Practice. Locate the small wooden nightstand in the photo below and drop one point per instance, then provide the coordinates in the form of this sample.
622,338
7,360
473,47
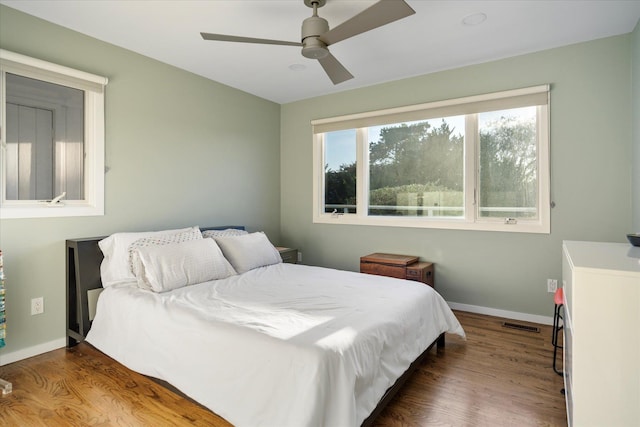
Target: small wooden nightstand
399,266
288,255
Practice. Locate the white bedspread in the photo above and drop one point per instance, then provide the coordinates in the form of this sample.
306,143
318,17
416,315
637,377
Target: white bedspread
284,345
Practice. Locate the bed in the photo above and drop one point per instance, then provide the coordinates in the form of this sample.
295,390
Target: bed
272,345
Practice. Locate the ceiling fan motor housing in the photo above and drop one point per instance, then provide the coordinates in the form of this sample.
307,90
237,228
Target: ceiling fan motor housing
312,28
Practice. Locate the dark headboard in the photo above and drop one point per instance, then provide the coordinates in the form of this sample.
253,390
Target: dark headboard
223,227
83,259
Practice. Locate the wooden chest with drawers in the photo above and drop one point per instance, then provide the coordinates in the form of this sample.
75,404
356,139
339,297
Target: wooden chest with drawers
399,266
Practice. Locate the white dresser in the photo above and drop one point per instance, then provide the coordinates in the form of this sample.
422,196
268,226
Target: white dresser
601,333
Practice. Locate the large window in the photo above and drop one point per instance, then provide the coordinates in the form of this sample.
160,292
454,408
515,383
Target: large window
52,153
480,162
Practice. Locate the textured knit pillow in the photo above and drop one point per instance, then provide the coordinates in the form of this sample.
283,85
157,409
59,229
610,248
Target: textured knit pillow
167,267
159,240
223,233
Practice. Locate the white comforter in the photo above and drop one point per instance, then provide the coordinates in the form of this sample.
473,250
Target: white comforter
283,345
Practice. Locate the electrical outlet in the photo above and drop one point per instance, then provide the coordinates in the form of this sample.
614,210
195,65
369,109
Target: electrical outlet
552,285
299,256
37,306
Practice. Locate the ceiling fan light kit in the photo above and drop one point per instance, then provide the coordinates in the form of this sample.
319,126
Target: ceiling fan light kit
316,36
314,49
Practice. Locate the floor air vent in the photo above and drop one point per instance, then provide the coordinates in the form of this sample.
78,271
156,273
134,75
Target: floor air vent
520,327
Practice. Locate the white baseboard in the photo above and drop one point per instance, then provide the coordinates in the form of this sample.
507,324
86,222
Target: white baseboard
25,353
514,315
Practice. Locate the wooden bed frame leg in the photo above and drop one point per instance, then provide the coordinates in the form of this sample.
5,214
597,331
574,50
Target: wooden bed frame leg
440,342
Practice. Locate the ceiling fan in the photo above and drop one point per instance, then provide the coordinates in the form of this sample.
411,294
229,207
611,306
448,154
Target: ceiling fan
317,37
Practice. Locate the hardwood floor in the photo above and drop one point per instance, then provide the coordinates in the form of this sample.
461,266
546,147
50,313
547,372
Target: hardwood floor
497,377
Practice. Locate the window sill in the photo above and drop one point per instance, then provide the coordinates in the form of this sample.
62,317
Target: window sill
45,211
522,226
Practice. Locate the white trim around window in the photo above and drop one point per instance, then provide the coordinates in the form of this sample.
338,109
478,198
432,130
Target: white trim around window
470,107
94,140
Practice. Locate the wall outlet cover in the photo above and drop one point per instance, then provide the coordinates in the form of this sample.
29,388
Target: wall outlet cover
37,306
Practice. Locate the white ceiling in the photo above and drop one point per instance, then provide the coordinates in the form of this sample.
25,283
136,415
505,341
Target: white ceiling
433,39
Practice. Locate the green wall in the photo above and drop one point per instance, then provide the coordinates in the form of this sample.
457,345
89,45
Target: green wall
590,183
181,150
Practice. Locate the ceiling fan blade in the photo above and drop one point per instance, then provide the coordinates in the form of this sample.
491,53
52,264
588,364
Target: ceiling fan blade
226,38
334,69
381,13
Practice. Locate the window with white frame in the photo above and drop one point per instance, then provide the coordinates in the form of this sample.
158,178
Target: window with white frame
479,163
52,153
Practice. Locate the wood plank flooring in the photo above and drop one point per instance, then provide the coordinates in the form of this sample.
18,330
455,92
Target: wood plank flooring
497,377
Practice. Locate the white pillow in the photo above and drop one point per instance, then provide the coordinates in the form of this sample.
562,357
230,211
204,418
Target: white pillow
223,233
115,248
249,251
160,240
167,267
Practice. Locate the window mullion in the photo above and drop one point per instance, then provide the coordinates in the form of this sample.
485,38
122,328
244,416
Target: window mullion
471,151
544,166
318,176
362,173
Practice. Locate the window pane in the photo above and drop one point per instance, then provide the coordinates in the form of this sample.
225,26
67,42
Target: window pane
45,140
340,171
508,163
416,168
